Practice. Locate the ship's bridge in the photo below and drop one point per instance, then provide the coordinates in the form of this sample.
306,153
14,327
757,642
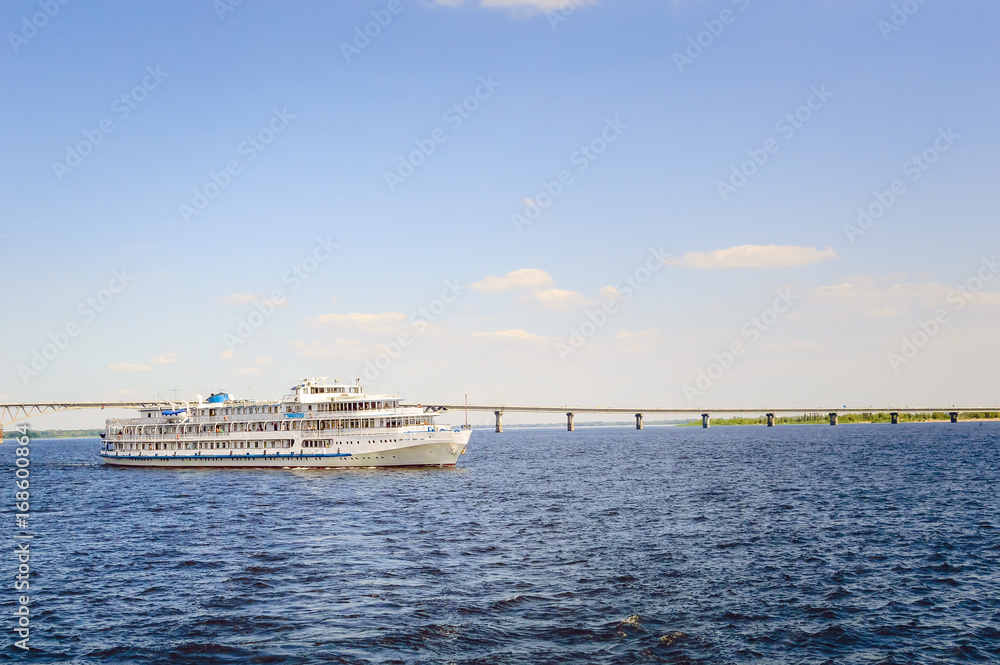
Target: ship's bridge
319,389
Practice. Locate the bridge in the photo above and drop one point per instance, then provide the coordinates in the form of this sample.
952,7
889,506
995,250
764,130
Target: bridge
706,415
11,413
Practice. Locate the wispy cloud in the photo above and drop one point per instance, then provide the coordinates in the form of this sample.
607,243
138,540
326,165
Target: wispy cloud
755,256
238,299
554,298
165,360
896,296
249,299
516,279
513,335
381,323
638,342
333,348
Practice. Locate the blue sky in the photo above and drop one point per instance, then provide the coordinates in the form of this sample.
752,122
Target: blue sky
598,93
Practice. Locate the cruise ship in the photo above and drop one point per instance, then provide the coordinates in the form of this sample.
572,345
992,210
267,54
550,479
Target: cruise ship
320,424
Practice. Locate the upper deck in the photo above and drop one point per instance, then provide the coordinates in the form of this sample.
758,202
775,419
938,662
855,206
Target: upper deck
310,397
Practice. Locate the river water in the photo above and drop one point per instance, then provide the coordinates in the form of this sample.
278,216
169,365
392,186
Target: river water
794,544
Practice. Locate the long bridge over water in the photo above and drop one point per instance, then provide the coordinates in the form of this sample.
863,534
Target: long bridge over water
11,413
706,415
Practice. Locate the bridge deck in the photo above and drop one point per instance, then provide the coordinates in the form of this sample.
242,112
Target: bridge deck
11,413
682,410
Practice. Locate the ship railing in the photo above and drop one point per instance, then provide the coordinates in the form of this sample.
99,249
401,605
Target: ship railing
269,434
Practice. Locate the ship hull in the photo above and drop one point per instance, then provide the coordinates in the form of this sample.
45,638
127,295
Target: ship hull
435,453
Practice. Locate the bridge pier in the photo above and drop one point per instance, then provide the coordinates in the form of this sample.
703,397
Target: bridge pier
770,420
954,416
706,420
499,415
638,421
569,421
895,417
833,418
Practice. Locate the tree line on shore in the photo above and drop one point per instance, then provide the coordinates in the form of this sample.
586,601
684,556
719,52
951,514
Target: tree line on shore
53,433
821,418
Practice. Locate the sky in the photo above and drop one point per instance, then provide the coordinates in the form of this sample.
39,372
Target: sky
690,204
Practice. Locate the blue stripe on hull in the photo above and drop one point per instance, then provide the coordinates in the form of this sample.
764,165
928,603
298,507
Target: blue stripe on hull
225,457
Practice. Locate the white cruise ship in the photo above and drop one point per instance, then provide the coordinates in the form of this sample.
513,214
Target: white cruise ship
320,425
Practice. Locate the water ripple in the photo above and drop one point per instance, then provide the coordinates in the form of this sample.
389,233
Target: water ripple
854,544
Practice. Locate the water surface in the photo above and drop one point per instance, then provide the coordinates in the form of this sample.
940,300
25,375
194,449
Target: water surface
796,544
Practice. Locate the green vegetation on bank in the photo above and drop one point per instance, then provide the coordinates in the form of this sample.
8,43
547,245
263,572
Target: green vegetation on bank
824,419
54,433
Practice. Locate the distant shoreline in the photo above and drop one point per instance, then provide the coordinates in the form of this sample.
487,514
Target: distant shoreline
853,419
55,434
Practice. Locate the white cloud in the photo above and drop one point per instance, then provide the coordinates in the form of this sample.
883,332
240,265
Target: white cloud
165,360
755,256
523,278
333,348
129,367
553,298
227,354
610,293
262,361
382,323
515,334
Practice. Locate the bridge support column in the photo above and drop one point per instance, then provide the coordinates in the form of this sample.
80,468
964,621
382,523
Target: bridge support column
895,417
954,416
569,421
770,420
499,415
638,421
706,420
833,418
